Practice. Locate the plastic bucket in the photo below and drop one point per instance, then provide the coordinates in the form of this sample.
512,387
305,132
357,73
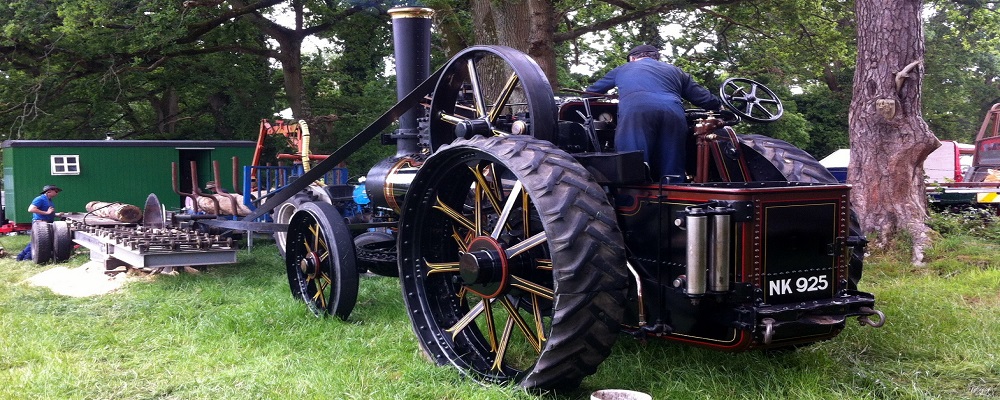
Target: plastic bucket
619,394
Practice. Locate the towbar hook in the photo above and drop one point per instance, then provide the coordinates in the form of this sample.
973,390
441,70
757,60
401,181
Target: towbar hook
768,330
865,320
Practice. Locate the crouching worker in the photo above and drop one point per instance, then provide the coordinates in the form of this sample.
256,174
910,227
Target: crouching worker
42,209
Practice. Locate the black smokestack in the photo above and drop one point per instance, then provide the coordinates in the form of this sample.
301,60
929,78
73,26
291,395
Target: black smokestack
411,31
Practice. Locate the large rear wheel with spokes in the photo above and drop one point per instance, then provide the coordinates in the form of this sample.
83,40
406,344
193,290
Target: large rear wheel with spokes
512,263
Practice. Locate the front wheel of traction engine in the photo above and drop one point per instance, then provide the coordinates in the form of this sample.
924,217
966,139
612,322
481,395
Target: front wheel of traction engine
512,264
282,214
320,260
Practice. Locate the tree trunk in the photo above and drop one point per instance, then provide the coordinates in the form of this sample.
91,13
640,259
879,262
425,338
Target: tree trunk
449,25
483,22
217,103
289,54
526,25
166,107
291,70
540,41
889,138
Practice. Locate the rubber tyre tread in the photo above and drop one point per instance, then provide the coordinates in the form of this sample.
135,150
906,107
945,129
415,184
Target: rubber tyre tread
794,164
586,246
41,242
296,201
798,166
378,267
62,241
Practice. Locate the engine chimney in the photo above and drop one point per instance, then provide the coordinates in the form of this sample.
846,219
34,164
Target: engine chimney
411,32
388,180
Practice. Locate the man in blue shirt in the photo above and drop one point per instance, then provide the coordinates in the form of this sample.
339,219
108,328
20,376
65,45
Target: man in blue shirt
650,113
41,209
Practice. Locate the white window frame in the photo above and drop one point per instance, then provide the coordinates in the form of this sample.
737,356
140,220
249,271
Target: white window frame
60,164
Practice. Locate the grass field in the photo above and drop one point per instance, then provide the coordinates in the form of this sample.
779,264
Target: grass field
234,332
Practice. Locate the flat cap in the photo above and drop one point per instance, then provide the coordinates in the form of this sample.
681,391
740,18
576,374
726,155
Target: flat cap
50,187
643,48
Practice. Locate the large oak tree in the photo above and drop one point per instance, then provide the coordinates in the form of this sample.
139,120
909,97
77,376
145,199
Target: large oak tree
889,138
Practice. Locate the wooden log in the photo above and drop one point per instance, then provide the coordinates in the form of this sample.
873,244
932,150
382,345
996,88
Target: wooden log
226,203
116,211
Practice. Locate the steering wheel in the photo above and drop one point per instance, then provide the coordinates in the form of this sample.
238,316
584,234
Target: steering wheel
751,100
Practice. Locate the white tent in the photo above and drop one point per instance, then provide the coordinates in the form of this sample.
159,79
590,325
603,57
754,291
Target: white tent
837,159
940,165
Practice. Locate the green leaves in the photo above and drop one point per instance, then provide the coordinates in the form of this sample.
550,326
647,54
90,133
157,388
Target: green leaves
86,68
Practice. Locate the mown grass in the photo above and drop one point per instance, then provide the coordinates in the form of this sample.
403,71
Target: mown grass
234,332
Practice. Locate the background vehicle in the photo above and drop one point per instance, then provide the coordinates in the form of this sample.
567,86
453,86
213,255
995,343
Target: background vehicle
980,185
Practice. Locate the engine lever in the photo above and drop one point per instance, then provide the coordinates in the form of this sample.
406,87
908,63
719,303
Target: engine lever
588,123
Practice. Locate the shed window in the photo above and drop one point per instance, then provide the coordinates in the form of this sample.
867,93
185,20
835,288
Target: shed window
65,165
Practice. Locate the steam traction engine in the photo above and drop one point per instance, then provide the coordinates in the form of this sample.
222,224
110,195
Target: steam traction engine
526,244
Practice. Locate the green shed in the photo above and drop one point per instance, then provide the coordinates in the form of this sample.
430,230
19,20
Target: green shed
124,171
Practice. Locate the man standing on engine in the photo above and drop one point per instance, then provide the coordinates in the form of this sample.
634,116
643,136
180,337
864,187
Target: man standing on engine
650,113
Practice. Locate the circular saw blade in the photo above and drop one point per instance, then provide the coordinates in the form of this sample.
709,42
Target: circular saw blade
152,217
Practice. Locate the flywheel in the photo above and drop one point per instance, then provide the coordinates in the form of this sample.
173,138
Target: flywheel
491,91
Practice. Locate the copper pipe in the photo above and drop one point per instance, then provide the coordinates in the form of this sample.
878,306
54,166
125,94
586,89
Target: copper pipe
703,132
701,176
220,191
638,286
196,189
174,181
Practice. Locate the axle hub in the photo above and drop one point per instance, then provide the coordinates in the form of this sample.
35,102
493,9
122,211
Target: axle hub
472,127
484,268
309,265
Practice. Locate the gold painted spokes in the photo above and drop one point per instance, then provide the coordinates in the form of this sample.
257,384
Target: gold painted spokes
317,251
488,100
502,265
506,254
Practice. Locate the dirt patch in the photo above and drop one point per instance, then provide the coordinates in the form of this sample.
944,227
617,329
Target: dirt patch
980,302
84,281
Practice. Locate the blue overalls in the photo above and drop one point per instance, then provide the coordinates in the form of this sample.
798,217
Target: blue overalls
650,112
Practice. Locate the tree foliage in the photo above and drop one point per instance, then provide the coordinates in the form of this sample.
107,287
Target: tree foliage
213,68
962,79
137,69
